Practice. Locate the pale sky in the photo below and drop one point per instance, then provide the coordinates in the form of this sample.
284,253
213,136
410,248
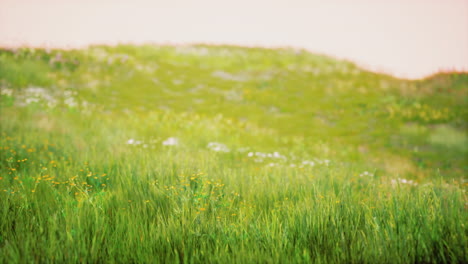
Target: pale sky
406,38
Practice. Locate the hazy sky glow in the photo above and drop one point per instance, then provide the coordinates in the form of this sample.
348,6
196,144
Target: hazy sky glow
407,38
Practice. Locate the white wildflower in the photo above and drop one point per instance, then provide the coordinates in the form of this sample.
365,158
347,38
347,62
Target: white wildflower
228,76
403,181
218,147
6,91
172,141
260,154
278,156
30,100
308,162
367,174
177,82
35,91
70,101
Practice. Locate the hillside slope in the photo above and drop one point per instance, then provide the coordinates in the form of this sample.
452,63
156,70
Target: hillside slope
398,125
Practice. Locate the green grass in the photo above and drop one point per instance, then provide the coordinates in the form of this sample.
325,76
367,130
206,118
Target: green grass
282,156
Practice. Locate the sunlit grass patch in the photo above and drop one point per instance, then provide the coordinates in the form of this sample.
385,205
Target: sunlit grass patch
449,137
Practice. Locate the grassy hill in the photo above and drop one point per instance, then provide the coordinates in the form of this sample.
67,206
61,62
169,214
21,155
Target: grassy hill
227,154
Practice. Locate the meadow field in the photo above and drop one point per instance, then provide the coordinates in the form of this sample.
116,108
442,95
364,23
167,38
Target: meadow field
224,154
